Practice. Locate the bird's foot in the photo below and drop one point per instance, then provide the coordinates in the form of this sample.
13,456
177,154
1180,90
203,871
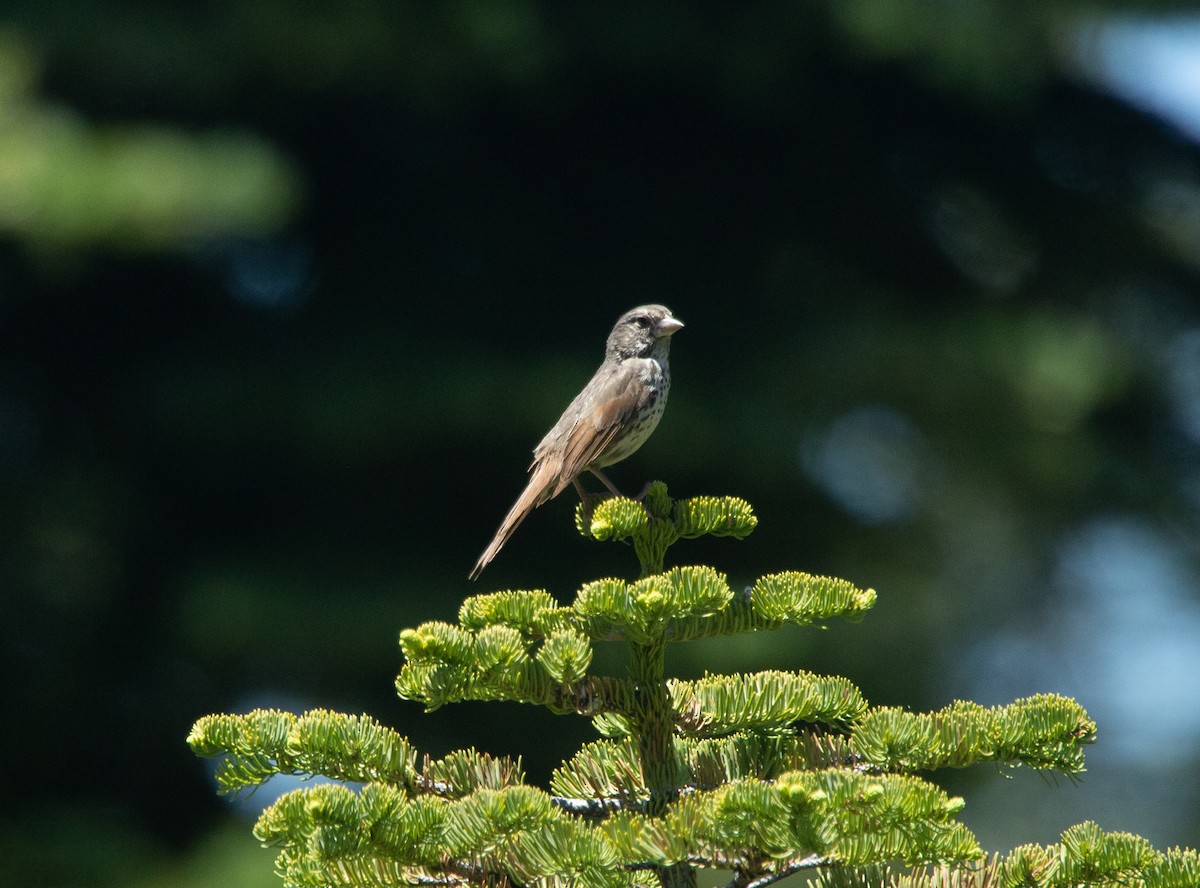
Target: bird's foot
589,500
645,490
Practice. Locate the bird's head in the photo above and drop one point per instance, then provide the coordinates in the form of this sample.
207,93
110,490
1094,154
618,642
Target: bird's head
642,332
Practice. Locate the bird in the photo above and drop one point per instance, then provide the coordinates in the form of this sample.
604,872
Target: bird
607,421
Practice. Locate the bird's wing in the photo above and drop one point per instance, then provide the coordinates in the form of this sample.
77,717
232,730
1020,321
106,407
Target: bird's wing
612,407
587,428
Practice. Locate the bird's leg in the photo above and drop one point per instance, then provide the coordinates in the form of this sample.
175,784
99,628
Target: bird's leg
612,487
604,478
589,500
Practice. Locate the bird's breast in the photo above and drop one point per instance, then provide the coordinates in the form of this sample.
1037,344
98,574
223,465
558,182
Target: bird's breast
655,377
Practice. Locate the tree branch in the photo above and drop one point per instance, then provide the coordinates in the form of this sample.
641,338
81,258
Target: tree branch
748,880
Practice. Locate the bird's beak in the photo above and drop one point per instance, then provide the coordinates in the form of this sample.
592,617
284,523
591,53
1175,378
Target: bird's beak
666,327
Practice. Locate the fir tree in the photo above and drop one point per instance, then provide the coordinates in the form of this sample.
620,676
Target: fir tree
762,776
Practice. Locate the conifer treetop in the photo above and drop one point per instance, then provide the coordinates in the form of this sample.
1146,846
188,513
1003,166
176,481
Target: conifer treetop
764,774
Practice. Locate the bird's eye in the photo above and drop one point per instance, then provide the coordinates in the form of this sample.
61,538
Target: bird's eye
642,321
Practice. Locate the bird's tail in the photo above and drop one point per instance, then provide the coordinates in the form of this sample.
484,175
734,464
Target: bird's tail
537,491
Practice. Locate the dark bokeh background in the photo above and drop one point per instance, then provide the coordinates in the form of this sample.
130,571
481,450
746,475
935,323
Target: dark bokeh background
289,290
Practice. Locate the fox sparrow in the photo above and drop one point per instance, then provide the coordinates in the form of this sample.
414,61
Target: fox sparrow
610,419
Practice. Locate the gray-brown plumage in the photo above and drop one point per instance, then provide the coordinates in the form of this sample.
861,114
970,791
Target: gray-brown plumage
610,419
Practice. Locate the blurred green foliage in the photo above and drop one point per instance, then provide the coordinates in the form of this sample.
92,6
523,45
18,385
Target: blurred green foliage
67,184
288,291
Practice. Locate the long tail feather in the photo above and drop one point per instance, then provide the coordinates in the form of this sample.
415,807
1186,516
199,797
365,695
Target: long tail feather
539,489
